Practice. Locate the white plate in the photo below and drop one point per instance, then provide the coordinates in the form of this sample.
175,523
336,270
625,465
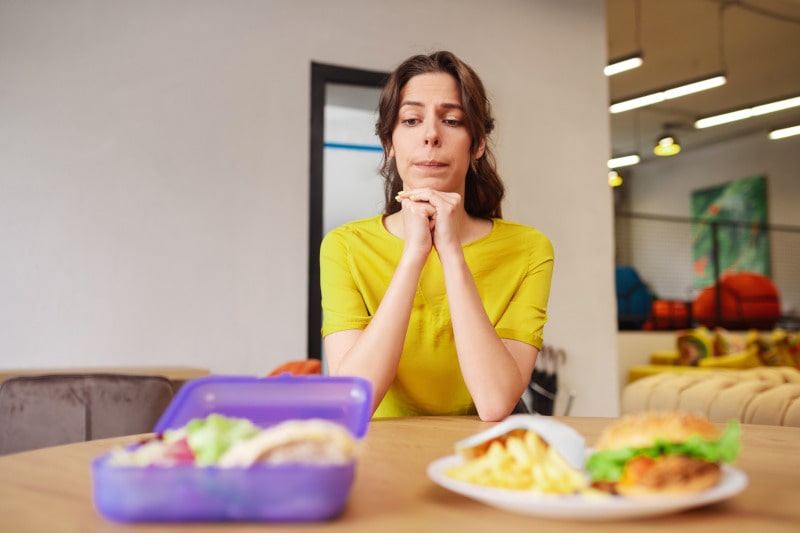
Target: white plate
581,507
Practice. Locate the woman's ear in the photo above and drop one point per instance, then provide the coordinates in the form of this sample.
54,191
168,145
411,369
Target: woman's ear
391,152
480,149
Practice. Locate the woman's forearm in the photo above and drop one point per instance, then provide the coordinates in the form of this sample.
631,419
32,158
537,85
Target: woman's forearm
492,373
374,353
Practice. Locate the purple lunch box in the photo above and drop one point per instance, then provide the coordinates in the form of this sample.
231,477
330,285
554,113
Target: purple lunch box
260,493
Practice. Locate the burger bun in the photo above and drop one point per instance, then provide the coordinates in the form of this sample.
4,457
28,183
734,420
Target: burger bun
644,429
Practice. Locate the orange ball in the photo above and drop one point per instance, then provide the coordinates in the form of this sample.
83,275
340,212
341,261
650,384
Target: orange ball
748,300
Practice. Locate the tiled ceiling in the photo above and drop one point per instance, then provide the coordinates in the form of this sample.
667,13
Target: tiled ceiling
755,42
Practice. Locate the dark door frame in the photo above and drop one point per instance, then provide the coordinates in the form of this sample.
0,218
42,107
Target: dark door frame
322,74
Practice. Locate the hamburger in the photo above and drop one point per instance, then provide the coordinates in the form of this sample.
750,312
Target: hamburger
656,453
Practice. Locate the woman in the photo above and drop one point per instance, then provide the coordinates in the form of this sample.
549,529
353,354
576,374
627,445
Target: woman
438,302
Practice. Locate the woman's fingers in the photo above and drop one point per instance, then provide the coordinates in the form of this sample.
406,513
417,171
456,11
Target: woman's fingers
418,225
437,199
442,222
441,201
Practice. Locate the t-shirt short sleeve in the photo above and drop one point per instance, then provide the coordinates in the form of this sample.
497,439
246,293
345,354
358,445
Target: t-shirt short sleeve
343,307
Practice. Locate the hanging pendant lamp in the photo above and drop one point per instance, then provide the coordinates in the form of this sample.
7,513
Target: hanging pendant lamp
667,144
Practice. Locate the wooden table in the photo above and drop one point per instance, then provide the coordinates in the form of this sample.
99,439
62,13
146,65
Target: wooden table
50,489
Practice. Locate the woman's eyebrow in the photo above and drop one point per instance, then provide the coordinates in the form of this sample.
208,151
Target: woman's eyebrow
411,103
445,105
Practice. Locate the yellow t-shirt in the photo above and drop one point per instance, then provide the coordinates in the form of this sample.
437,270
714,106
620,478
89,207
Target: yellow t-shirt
512,266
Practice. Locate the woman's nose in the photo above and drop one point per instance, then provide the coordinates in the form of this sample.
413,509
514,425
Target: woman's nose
432,137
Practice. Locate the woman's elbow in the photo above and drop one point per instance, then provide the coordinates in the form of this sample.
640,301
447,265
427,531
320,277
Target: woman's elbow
494,413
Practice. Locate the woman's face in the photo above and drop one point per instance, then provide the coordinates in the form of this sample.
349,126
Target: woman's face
431,141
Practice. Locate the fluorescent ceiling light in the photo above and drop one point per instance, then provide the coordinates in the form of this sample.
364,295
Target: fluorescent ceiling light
637,102
623,161
784,132
741,114
696,87
623,64
724,118
668,94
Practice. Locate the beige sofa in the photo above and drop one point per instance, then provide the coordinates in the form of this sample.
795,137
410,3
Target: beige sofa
763,395
635,348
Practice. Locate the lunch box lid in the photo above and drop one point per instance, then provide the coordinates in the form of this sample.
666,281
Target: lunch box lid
271,400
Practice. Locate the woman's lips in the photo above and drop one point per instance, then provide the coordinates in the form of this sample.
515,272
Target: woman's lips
430,164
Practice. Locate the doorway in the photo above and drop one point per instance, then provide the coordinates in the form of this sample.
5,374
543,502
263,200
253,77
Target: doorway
345,155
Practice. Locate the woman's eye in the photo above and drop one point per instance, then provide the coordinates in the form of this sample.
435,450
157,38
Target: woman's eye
410,121
452,122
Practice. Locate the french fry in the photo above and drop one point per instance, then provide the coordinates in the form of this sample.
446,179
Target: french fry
523,462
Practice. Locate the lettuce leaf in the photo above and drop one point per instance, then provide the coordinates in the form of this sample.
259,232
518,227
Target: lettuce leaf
211,437
607,465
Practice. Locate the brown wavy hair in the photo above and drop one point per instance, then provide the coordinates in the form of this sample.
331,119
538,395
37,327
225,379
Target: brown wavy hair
484,190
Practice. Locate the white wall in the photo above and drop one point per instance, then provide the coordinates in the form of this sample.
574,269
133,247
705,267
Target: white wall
154,170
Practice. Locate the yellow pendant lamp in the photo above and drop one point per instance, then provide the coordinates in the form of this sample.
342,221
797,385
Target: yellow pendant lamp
667,144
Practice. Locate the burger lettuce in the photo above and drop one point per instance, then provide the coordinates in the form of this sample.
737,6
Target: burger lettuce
608,465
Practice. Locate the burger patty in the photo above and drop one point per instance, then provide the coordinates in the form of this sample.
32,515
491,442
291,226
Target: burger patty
665,471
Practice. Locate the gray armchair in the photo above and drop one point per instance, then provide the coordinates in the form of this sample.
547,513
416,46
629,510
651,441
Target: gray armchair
52,409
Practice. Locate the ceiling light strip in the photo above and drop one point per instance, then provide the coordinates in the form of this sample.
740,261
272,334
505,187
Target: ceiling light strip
668,94
741,114
696,87
623,65
623,161
784,132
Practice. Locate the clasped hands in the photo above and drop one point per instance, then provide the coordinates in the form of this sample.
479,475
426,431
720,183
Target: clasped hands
431,218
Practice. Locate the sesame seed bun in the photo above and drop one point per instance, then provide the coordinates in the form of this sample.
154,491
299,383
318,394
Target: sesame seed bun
643,429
